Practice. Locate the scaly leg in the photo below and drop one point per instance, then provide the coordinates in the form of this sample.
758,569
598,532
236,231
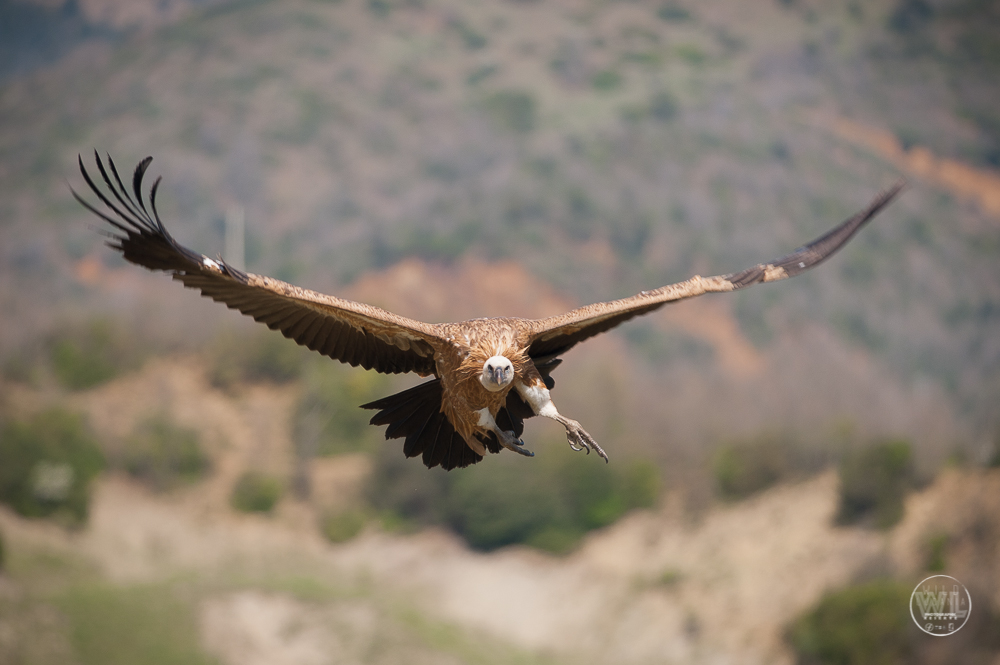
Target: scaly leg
538,398
578,437
506,438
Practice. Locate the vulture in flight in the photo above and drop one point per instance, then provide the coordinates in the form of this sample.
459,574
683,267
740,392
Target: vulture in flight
489,374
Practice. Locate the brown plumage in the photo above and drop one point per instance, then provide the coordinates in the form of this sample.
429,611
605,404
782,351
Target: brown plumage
490,374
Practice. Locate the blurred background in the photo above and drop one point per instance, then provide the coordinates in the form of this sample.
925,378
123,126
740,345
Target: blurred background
180,485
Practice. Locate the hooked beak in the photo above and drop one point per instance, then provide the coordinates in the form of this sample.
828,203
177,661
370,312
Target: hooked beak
498,372
501,375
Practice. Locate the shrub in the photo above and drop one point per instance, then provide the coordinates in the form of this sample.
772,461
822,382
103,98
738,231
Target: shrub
404,491
163,456
867,623
512,110
741,471
262,356
744,468
663,106
340,527
328,419
504,503
874,482
672,11
937,546
548,503
86,356
606,80
125,624
46,465
256,492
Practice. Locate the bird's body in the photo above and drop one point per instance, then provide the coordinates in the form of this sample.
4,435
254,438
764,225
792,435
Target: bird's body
459,361
490,374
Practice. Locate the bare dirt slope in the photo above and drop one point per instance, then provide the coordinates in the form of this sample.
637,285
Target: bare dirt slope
659,586
654,588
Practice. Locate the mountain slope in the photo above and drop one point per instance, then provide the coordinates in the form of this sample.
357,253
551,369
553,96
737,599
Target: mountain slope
606,148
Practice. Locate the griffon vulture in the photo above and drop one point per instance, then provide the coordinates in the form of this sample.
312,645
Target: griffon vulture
489,374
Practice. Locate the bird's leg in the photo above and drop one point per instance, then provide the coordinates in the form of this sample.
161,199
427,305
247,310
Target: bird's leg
578,437
510,441
506,438
538,398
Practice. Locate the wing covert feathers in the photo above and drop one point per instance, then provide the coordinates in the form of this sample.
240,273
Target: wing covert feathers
347,331
558,334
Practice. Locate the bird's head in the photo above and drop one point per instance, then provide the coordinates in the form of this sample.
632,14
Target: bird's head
497,374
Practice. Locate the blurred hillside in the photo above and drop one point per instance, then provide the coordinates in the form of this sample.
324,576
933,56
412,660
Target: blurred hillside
448,160
601,147
175,575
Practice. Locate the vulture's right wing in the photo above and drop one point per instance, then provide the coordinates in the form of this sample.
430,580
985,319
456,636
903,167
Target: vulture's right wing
557,334
347,331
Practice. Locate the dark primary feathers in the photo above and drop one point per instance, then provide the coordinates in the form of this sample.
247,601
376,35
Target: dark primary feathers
347,331
360,334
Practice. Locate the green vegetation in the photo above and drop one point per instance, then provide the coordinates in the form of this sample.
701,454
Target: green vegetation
46,465
671,11
64,611
670,578
937,547
744,468
513,110
263,355
741,471
3,554
256,492
874,482
342,526
663,106
472,39
313,114
86,356
549,504
122,625
867,623
163,455
328,420
606,80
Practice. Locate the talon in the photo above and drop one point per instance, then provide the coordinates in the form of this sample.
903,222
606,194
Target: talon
579,439
510,441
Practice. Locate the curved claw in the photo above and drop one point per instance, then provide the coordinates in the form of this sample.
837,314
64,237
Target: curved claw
523,451
579,439
510,441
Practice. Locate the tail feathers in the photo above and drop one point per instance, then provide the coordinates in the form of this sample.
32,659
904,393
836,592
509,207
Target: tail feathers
415,416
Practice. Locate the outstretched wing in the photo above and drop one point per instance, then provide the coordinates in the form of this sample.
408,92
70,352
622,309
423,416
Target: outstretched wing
557,334
347,331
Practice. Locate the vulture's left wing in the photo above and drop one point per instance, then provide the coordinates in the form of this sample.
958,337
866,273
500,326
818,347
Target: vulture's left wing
347,331
556,334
